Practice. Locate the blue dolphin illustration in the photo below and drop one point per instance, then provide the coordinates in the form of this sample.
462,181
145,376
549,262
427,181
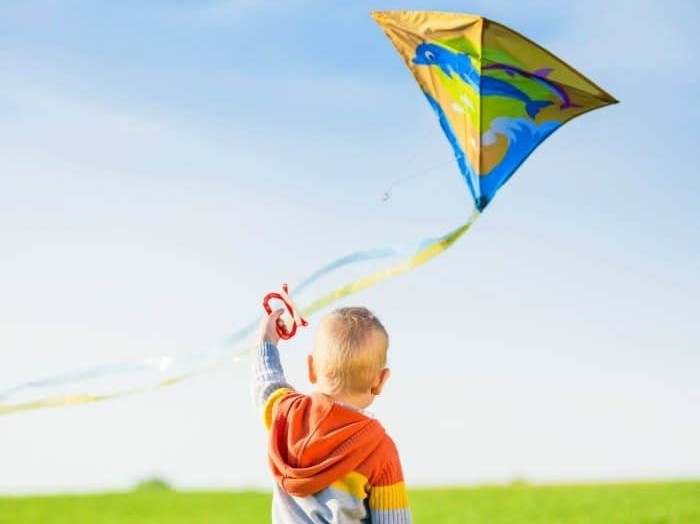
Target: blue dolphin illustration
460,65
450,63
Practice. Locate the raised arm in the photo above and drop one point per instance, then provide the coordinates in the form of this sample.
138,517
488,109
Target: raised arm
268,375
268,381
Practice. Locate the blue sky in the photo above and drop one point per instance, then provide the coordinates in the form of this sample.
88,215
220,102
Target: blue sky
165,164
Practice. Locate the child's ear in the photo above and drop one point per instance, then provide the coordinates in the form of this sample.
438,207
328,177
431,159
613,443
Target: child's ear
383,377
310,369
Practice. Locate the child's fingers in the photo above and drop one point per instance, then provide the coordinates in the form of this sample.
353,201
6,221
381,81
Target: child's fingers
282,325
275,315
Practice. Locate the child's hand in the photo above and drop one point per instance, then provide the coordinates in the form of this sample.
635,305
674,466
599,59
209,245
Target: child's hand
268,327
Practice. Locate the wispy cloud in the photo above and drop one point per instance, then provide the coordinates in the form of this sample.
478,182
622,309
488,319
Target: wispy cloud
159,159
33,13
226,13
658,39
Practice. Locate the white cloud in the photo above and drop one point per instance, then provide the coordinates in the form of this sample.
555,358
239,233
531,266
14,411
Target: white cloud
224,13
118,269
33,13
658,39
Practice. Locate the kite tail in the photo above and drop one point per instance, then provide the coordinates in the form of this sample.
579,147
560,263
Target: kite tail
427,252
172,370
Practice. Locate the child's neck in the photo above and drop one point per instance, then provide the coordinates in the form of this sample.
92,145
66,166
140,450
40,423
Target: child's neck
359,401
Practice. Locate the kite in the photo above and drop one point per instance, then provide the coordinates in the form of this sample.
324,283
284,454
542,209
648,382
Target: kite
497,96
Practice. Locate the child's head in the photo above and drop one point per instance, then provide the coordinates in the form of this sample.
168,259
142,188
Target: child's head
349,358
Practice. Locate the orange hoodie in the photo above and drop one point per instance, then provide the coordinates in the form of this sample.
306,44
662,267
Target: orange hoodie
315,442
331,463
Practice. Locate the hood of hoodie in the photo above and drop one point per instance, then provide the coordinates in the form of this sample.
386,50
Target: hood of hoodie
314,442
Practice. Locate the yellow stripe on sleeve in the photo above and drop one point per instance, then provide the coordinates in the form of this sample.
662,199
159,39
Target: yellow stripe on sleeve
353,483
271,403
389,497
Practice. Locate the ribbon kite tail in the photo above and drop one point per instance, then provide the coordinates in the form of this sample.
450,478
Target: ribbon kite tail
200,363
419,257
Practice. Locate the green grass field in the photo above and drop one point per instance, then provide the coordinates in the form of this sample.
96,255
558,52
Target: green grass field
643,503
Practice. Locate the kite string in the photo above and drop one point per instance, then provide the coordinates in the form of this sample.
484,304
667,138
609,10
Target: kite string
386,195
413,158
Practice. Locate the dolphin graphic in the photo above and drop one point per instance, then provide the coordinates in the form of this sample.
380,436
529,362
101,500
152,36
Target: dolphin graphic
460,65
539,76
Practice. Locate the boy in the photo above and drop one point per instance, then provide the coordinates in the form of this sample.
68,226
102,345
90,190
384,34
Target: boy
332,462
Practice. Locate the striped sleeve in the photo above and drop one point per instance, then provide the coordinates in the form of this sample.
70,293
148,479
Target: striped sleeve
388,500
269,384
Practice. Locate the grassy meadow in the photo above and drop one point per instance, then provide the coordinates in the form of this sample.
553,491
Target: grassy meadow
639,503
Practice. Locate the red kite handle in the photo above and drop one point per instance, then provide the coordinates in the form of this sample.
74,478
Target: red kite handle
297,320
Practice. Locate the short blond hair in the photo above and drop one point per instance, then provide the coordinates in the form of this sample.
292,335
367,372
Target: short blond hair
351,348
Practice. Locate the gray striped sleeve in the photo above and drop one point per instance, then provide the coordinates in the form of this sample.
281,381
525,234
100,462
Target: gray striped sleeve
268,375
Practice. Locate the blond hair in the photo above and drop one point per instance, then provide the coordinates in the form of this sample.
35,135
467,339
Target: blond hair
351,349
